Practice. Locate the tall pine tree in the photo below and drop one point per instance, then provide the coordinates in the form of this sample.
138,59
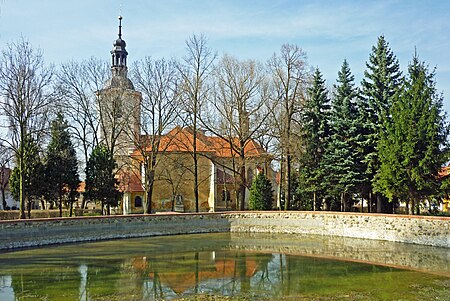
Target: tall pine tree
316,130
414,146
61,166
381,82
342,160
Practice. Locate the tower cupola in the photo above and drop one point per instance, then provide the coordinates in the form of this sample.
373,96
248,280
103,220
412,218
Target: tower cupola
119,54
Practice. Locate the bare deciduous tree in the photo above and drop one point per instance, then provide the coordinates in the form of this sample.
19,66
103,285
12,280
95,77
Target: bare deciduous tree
157,80
239,109
195,72
77,84
290,75
25,89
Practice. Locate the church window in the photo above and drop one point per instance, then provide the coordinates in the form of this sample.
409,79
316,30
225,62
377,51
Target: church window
137,202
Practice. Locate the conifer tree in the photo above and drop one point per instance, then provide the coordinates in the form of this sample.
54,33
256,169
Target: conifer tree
414,146
101,185
261,194
61,166
316,131
382,80
33,175
342,160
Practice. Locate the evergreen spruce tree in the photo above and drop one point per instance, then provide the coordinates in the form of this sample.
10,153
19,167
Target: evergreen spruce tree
381,82
316,131
61,166
101,185
33,175
342,160
261,193
414,146
302,198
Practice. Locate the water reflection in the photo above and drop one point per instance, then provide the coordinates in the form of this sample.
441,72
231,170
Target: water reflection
219,264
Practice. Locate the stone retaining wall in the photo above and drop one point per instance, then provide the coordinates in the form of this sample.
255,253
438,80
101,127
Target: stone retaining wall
434,231
32,233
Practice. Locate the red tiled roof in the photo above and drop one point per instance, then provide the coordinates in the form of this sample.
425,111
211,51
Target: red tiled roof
129,181
181,140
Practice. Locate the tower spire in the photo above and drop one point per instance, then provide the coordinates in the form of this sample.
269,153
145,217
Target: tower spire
119,54
120,27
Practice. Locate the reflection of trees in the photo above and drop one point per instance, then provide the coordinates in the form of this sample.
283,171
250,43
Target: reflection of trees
108,279
49,283
241,267
173,267
263,277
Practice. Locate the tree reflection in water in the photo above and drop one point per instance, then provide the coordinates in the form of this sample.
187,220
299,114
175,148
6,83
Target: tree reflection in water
172,267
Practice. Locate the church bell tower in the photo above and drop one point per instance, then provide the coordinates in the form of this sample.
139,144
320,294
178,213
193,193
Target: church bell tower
119,105
119,55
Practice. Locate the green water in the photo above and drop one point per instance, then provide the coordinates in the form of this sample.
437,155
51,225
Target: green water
228,267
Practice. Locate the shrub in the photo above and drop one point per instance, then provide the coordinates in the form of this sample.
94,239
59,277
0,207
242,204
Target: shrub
261,194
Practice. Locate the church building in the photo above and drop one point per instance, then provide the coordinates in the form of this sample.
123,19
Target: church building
173,188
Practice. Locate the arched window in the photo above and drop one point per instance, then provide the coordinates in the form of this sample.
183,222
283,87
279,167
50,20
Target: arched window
137,202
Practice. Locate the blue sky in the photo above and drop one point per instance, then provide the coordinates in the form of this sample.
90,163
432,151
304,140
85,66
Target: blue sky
329,31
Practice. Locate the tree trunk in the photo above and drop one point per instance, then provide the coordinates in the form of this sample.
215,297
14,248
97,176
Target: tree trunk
29,203
4,199
108,208
196,182
243,180
362,204
43,204
103,205
314,200
369,205
288,182
71,209
21,185
60,206
280,186
379,203
151,177
194,145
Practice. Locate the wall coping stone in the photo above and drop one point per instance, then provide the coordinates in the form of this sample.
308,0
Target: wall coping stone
443,218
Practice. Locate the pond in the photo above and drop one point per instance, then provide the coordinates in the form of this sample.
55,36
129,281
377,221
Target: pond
227,266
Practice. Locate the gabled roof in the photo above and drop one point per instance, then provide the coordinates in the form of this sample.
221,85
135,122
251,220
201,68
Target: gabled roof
181,140
130,181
